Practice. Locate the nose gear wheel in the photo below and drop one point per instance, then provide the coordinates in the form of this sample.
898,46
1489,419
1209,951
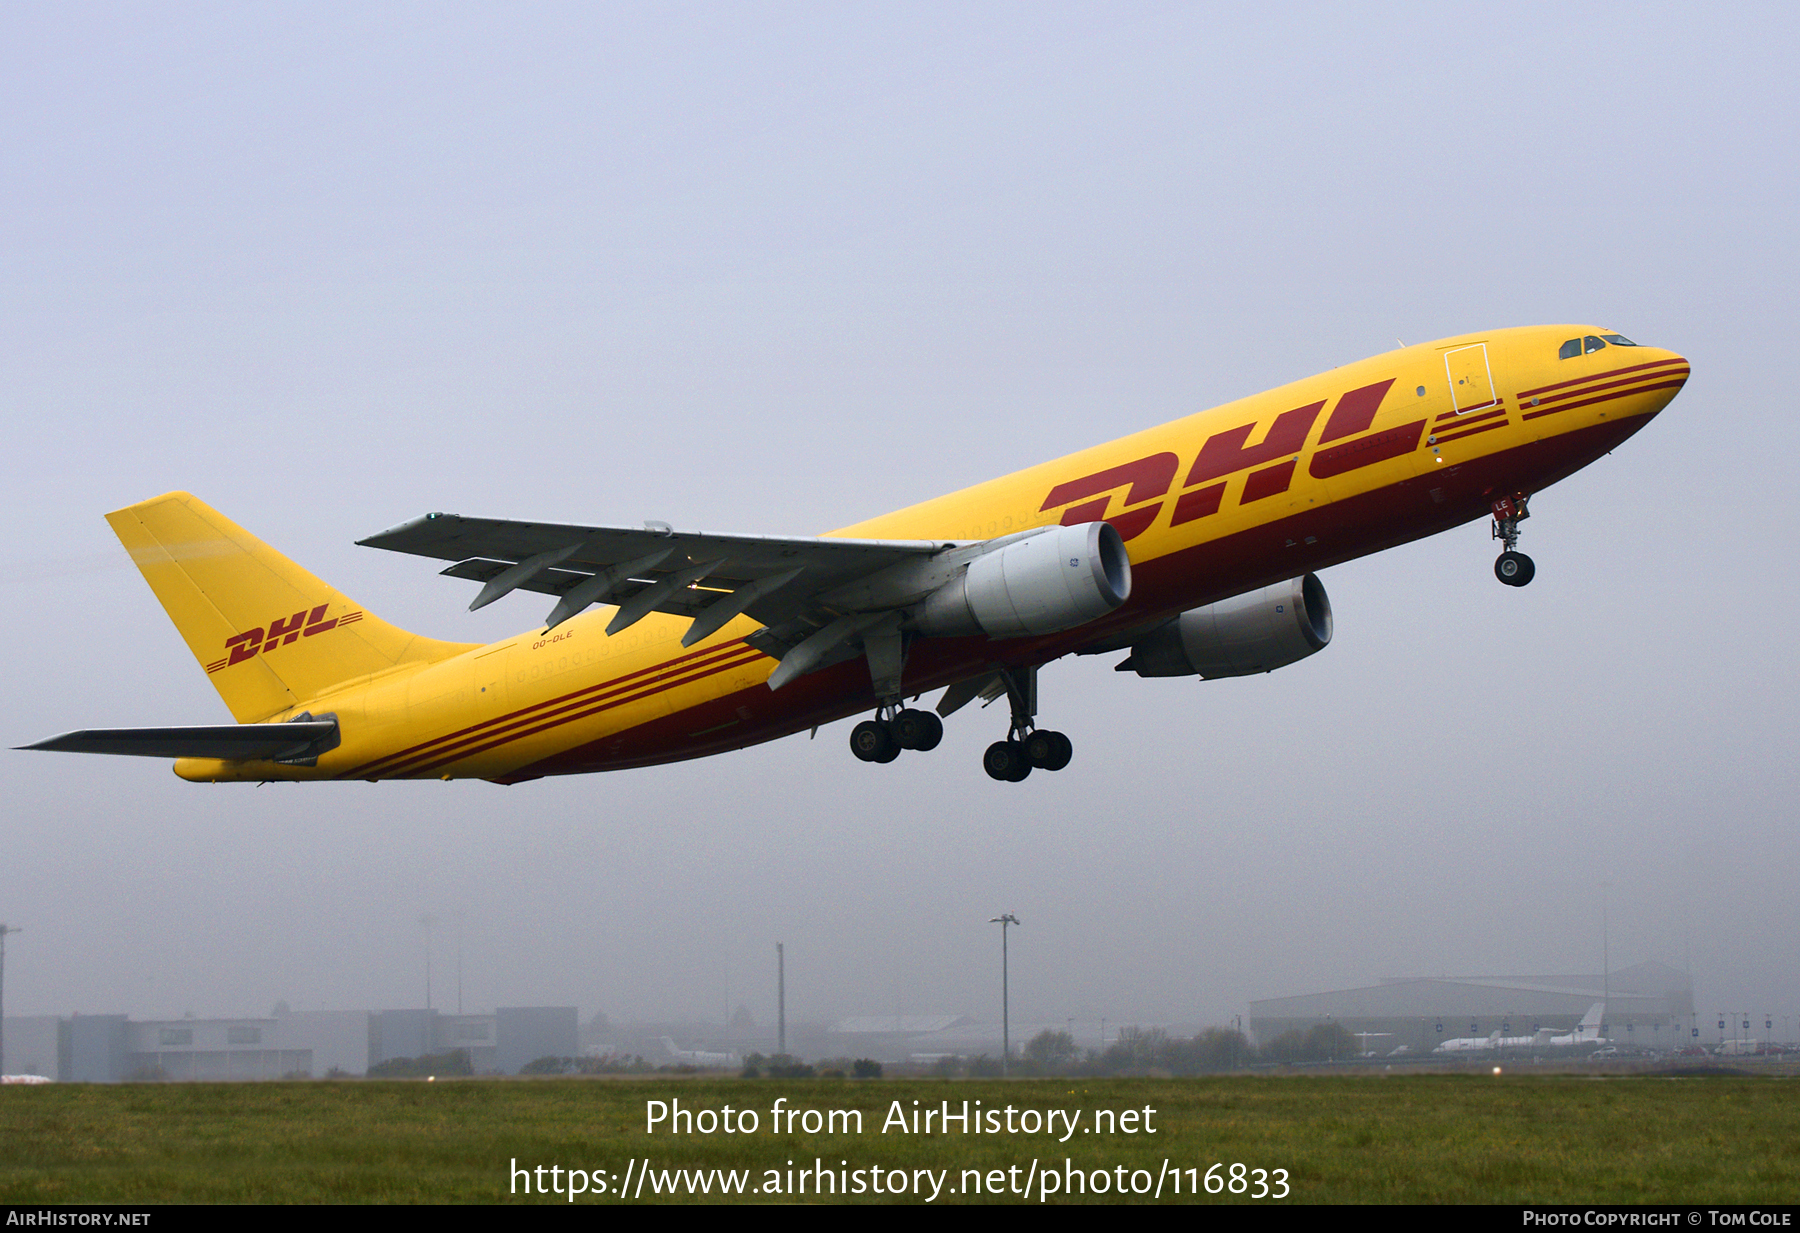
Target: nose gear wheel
1513,567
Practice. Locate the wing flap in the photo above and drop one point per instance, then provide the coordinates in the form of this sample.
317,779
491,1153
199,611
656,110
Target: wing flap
551,581
706,577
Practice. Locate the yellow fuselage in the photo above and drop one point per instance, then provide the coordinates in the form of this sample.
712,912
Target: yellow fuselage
1266,488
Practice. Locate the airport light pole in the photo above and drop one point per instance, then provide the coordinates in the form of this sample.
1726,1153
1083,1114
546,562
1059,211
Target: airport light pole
1005,1014
1605,949
427,921
4,930
780,1000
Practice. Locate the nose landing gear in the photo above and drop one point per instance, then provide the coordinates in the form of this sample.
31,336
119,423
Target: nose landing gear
1515,569
1512,567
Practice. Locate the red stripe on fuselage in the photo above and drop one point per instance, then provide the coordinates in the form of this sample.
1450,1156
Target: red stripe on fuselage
1470,432
1462,420
1599,376
1594,388
1588,402
575,711
426,748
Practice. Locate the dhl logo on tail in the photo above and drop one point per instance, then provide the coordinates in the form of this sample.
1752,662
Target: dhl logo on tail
279,632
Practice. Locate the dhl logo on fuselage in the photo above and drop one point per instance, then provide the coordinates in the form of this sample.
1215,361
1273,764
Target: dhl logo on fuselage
1270,462
279,632
1340,449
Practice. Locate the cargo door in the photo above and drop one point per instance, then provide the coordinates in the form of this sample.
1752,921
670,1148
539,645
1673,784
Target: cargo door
1471,378
490,681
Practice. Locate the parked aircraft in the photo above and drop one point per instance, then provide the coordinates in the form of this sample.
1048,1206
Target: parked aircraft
1587,1032
1190,548
701,1058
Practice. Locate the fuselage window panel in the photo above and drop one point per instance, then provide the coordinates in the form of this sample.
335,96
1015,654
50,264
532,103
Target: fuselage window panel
1618,340
1570,349
1593,344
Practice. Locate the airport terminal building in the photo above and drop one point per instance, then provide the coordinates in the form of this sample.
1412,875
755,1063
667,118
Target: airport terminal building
1649,1006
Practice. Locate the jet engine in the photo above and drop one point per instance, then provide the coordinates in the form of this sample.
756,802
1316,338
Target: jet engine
1256,632
1040,583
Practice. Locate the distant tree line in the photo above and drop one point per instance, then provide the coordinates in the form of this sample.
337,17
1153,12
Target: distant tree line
1152,1050
455,1062
786,1066
1133,1051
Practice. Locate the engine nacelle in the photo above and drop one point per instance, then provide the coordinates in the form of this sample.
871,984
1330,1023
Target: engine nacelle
1041,583
1258,632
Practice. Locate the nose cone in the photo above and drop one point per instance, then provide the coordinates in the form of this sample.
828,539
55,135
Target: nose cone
1667,374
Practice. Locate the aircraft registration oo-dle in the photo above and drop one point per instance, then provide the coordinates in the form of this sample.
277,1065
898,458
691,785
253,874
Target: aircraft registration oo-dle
1190,547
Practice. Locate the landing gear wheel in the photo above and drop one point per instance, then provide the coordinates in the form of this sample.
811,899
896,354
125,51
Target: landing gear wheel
1049,751
915,729
1006,761
872,742
1515,569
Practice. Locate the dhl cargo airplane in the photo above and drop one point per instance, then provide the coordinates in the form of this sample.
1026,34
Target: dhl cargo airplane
1190,547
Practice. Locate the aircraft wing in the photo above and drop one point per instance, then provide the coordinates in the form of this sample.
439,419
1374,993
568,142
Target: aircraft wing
796,583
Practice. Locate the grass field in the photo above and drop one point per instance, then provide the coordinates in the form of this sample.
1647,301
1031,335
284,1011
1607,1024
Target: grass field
1413,1139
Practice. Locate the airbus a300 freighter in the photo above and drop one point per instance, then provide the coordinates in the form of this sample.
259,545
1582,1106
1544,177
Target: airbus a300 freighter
1189,550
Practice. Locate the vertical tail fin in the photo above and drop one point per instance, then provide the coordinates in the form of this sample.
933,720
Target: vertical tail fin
270,635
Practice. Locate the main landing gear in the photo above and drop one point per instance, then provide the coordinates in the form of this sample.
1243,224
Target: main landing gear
1513,567
881,739
1026,746
1012,759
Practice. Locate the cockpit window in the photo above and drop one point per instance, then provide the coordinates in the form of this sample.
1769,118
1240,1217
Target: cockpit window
1618,340
1590,344
1570,349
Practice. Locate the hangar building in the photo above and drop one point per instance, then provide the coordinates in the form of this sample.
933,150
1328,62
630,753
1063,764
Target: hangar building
1648,1005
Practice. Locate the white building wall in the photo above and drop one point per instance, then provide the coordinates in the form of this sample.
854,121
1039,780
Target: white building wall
310,1042
339,1039
31,1045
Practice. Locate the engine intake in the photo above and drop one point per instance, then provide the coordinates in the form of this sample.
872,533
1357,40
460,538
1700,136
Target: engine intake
1256,632
1040,583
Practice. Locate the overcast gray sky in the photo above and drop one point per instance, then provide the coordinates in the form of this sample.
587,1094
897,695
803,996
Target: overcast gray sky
778,268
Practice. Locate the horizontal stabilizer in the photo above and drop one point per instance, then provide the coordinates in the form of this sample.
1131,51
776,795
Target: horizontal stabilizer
232,742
